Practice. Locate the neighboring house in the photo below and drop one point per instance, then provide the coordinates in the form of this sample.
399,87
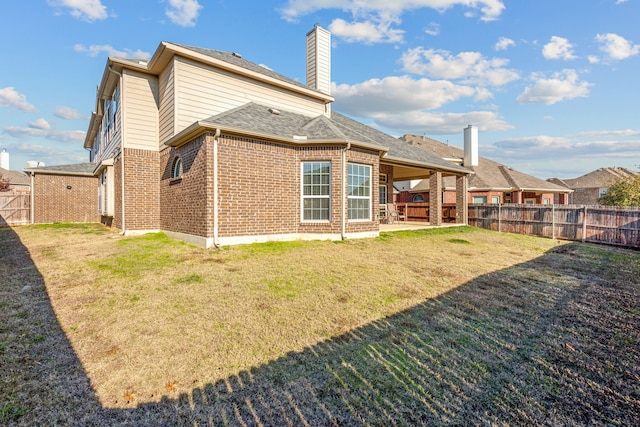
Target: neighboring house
491,182
217,150
588,188
18,182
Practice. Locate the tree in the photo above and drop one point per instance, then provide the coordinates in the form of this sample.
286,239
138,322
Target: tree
623,192
4,185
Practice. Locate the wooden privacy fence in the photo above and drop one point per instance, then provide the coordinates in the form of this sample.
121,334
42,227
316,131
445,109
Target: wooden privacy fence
419,211
602,224
14,209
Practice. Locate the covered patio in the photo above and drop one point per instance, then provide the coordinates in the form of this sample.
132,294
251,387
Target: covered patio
434,212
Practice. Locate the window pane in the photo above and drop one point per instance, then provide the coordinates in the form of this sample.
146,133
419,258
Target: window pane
359,191
316,190
316,209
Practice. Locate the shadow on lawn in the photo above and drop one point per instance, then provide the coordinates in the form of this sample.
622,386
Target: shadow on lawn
547,341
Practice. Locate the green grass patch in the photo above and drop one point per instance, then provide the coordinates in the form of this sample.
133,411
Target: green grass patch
459,241
12,412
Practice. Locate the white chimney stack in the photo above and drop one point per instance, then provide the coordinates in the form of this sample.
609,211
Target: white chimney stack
4,159
470,146
319,59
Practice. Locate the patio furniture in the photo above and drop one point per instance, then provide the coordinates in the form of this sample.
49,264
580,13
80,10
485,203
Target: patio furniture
393,214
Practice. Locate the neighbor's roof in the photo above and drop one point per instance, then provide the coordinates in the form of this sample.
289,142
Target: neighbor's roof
14,177
600,178
264,122
488,175
74,169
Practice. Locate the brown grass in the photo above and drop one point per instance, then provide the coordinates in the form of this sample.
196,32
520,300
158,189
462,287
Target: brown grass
452,326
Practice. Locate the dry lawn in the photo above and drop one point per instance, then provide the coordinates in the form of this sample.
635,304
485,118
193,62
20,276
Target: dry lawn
451,326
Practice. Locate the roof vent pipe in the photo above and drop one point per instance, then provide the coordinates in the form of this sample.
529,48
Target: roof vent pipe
470,146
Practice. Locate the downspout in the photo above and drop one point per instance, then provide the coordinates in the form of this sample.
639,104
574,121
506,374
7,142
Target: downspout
343,230
32,198
124,229
215,188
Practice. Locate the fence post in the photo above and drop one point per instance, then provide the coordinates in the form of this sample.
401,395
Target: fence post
499,218
553,222
584,224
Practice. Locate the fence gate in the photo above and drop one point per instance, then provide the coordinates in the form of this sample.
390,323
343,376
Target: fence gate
14,209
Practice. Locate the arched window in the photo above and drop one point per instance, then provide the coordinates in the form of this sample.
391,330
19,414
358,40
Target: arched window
177,168
418,198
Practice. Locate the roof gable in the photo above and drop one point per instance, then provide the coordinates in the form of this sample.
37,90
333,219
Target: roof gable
599,178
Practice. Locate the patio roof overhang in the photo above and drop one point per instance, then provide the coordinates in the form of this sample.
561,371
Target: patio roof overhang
404,170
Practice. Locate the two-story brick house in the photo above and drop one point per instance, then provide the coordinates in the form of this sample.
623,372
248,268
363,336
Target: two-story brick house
214,149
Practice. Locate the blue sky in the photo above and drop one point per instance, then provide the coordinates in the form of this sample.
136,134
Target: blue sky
553,86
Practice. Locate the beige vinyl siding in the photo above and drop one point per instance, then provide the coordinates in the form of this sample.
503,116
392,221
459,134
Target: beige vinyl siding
140,110
167,107
202,91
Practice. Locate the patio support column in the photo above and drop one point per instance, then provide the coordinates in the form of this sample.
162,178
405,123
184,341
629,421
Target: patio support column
435,198
462,201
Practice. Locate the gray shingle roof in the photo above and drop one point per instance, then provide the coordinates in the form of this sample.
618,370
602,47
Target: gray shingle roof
487,175
74,169
14,177
259,118
599,178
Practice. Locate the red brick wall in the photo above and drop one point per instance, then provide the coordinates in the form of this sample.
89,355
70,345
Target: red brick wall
142,189
117,193
187,202
258,188
54,201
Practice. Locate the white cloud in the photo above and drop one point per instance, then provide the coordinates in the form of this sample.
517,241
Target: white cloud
10,98
617,47
95,50
294,9
610,133
41,124
183,12
52,134
562,86
367,32
621,1
399,94
48,154
504,43
470,67
535,143
558,48
441,123
593,59
68,113
86,10
433,29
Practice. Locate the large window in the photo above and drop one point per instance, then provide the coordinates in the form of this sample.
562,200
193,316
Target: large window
476,200
359,178
316,191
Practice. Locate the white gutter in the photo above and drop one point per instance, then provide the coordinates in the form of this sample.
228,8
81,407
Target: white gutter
215,188
33,199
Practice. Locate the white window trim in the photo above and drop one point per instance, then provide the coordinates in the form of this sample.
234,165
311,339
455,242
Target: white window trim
370,197
303,197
